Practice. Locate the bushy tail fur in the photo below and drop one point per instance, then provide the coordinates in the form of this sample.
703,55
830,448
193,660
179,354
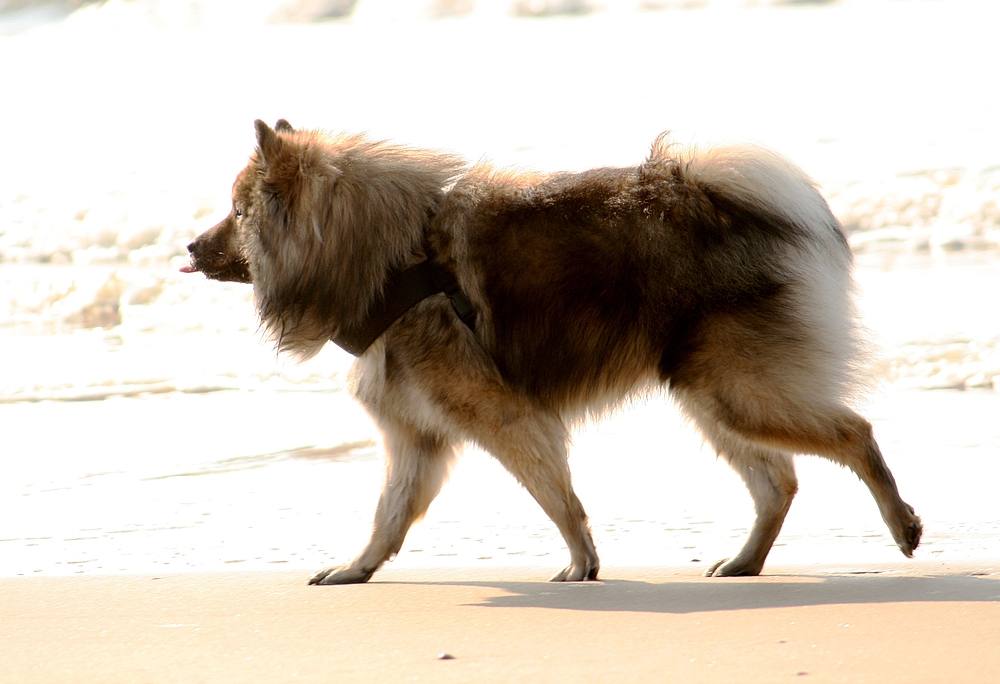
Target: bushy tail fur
757,178
774,188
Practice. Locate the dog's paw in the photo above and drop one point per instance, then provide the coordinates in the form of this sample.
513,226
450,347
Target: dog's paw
730,568
340,575
576,573
908,532
710,572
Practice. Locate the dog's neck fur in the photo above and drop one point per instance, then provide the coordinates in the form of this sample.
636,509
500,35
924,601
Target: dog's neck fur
404,290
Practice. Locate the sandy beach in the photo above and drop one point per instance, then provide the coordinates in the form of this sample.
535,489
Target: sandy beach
927,623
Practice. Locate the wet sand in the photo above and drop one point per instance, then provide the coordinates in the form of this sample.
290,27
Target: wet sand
913,622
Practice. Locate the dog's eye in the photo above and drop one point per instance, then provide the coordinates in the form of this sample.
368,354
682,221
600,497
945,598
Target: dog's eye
237,212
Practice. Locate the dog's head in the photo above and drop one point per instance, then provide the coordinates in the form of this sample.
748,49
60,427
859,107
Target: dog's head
220,252
318,223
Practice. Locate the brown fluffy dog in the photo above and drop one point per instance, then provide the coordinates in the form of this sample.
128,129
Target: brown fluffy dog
722,276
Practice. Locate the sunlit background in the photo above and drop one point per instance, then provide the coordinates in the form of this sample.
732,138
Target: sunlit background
147,428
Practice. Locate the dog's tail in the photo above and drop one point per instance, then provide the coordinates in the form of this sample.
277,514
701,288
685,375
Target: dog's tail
758,179
818,265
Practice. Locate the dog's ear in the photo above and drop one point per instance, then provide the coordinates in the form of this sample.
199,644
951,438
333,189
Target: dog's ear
283,126
268,141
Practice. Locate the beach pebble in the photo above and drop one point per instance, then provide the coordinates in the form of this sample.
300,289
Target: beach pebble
445,656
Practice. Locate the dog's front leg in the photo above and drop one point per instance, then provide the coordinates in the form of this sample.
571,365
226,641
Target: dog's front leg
417,467
530,442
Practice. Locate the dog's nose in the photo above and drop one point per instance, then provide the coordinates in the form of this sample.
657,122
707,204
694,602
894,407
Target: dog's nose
191,247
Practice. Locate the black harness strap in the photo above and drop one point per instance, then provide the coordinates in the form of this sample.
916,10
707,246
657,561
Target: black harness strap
447,283
404,290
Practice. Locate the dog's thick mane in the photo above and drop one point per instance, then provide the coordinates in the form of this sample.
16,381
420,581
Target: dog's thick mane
339,214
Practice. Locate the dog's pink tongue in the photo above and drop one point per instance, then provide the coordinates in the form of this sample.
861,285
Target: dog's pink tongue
188,269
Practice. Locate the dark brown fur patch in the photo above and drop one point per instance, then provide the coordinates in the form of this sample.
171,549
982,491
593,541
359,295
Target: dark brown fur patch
599,279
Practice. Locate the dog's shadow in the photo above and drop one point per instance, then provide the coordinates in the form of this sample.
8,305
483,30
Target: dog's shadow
696,595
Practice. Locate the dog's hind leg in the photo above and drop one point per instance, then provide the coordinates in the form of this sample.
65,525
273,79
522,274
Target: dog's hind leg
774,390
769,475
418,465
844,437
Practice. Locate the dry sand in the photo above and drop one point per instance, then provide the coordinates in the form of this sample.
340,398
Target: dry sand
912,623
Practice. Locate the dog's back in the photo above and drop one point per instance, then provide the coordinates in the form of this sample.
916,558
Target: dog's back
595,283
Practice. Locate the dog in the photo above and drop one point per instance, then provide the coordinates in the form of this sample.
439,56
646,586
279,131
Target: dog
497,307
